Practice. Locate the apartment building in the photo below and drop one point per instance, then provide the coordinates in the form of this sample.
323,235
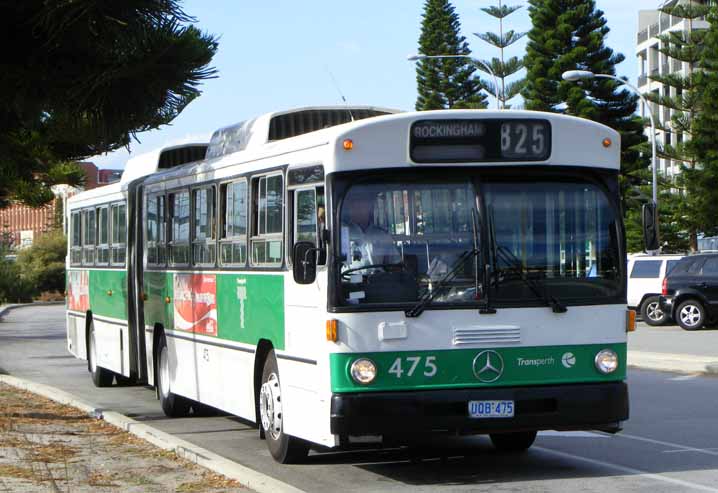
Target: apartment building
651,62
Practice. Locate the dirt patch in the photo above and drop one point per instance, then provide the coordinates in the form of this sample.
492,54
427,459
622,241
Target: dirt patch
46,446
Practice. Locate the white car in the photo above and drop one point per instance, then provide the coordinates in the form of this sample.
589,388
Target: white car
645,278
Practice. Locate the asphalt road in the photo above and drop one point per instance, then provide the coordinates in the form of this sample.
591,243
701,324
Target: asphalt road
673,339
669,444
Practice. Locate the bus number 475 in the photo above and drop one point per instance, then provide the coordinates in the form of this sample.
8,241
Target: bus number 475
411,364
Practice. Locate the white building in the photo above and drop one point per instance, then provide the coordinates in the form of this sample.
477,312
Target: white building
651,24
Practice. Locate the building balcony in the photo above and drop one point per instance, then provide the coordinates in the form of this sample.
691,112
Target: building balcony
653,30
642,80
642,36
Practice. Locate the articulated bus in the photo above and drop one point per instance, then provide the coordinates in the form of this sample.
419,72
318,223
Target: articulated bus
339,274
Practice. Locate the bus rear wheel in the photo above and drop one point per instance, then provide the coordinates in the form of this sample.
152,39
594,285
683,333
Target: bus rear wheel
284,448
173,405
100,376
513,442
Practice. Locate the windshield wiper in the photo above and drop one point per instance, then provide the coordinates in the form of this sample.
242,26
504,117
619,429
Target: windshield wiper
429,296
508,257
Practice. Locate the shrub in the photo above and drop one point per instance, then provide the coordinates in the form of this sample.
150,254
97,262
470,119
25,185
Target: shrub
42,265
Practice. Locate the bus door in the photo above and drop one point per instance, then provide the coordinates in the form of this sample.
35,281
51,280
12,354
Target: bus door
135,307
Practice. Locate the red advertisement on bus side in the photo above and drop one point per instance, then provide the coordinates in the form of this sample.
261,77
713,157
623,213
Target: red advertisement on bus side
78,290
195,303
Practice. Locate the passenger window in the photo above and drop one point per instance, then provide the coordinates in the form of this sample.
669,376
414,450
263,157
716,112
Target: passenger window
695,267
670,264
103,240
179,228
233,242
710,268
90,231
646,269
268,192
203,238
156,230
76,235
305,216
119,234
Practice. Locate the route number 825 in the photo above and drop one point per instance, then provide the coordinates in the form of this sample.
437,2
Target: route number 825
410,365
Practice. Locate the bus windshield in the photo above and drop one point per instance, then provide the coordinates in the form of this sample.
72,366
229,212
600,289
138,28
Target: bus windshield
401,242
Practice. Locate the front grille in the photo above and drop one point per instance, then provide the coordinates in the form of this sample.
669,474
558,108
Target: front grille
482,336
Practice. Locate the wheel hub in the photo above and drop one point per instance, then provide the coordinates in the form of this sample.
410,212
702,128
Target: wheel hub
270,406
690,315
654,311
164,373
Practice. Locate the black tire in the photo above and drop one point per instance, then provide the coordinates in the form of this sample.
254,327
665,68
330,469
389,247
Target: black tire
651,312
101,377
513,442
284,448
691,315
173,405
124,381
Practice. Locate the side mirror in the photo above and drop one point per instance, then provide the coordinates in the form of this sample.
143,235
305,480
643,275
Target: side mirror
649,216
304,262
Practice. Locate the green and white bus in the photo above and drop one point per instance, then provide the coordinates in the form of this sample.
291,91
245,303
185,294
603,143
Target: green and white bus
333,274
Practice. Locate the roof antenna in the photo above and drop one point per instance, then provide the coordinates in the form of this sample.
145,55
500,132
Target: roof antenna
336,86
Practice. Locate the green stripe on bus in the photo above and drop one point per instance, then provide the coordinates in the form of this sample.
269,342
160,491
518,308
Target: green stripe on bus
108,293
249,307
456,368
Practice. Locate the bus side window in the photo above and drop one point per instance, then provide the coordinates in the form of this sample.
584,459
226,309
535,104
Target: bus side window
233,229
76,236
90,233
309,217
103,223
267,205
156,230
204,235
179,228
119,234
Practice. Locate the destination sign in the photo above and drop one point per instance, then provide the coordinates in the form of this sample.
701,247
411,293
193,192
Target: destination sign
475,140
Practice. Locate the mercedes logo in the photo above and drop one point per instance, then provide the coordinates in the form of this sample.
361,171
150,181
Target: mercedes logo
488,366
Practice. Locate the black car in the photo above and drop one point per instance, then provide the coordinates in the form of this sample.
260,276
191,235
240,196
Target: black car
690,291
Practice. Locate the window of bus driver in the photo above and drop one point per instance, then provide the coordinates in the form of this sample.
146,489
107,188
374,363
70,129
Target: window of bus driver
400,242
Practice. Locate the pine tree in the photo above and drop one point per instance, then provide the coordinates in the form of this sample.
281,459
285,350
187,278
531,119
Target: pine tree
447,82
701,180
503,68
686,47
83,77
568,35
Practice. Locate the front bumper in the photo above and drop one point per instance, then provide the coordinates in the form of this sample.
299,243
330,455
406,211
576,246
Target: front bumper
556,407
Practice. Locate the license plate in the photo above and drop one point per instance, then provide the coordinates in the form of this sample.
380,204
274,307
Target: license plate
491,409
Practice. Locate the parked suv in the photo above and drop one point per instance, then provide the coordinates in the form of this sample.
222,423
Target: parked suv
690,291
645,275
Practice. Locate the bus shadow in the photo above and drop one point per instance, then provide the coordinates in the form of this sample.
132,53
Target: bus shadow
474,461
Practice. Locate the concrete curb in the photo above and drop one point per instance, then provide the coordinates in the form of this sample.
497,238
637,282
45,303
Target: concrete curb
248,477
678,363
6,308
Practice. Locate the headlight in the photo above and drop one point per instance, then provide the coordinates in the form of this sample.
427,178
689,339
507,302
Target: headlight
363,371
606,361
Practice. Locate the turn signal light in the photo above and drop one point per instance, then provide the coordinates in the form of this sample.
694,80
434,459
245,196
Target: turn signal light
607,142
630,320
664,287
332,330
348,144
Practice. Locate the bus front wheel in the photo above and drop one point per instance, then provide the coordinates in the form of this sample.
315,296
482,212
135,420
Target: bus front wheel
513,442
100,376
284,448
173,405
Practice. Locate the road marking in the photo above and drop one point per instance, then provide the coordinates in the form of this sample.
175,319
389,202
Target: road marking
675,446
628,470
685,377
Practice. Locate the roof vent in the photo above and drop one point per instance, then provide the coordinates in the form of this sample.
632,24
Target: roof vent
169,158
305,121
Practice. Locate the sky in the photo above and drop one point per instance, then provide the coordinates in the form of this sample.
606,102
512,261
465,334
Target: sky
285,54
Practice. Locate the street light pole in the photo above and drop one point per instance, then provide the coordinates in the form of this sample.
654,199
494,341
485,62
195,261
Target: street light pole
499,103
576,75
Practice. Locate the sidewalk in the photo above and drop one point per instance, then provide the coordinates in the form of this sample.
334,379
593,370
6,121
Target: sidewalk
669,348
45,445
